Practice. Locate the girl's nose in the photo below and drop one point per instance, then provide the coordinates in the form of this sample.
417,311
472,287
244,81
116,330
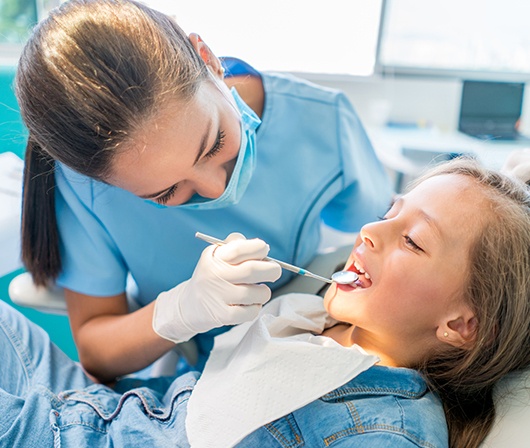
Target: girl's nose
368,235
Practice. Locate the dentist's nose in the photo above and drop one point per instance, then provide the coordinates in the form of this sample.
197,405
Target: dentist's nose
210,187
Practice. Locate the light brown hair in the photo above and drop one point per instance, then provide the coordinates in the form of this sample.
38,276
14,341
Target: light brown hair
498,290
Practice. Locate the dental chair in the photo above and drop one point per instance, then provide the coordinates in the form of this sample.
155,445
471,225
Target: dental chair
23,292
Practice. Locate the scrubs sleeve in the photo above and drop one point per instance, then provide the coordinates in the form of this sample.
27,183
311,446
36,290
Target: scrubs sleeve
91,262
367,189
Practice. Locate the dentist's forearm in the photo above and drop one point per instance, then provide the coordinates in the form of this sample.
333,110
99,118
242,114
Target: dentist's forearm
112,342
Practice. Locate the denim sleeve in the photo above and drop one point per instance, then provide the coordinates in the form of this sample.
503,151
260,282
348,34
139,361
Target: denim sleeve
32,371
30,358
381,439
46,400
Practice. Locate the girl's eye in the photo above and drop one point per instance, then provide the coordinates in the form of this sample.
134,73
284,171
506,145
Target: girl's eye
410,242
167,195
218,145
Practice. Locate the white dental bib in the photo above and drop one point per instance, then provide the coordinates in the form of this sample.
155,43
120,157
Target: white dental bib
262,370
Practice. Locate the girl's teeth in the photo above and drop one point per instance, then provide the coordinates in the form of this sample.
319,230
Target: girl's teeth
367,276
361,270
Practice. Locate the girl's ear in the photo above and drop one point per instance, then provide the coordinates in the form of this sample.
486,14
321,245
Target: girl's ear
212,61
459,330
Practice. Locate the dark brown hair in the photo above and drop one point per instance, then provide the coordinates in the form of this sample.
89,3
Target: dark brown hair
90,75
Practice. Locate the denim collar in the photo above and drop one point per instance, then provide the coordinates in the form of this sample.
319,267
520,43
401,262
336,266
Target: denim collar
381,380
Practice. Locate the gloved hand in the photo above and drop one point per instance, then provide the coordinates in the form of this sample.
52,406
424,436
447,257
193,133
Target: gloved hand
221,291
518,164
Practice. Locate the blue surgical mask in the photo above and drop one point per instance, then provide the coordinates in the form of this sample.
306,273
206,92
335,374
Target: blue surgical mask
243,169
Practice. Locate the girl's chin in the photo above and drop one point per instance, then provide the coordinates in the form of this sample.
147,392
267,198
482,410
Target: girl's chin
333,297
343,294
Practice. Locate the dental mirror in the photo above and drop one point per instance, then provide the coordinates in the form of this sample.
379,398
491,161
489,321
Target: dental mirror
345,277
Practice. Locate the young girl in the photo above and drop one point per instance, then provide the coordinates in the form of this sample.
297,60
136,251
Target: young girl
442,303
137,140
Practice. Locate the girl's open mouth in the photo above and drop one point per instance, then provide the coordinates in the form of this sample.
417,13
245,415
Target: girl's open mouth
364,281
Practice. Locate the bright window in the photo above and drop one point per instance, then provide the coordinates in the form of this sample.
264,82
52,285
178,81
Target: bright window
469,39
335,36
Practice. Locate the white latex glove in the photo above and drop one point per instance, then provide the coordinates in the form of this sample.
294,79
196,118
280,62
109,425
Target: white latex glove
223,290
518,165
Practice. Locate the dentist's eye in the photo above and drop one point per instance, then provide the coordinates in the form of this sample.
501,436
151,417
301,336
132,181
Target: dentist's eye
218,145
167,195
410,242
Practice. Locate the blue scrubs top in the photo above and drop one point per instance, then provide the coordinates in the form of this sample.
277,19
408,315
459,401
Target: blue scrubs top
314,162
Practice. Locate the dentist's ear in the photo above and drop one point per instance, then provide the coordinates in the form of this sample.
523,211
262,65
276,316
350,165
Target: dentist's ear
212,61
459,330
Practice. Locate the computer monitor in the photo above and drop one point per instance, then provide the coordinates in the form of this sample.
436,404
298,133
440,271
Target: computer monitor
491,110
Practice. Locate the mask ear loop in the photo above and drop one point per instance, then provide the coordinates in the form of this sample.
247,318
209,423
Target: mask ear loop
229,97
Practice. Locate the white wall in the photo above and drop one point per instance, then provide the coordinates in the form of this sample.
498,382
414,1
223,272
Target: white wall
407,100
412,99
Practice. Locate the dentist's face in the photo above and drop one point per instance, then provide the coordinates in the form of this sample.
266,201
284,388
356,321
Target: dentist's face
187,148
416,261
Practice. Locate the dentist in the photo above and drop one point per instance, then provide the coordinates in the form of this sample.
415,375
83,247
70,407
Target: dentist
139,136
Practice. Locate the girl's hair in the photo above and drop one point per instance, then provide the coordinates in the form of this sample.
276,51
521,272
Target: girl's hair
91,74
498,290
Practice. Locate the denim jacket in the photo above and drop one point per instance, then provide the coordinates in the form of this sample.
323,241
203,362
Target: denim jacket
381,407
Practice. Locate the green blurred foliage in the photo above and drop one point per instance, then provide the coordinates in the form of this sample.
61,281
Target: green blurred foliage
17,17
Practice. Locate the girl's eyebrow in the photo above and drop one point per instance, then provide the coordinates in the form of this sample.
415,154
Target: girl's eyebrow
394,199
432,224
399,201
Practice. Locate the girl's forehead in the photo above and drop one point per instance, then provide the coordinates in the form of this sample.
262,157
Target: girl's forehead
457,203
448,185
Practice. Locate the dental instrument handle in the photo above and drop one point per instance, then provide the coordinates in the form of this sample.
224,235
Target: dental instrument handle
283,264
